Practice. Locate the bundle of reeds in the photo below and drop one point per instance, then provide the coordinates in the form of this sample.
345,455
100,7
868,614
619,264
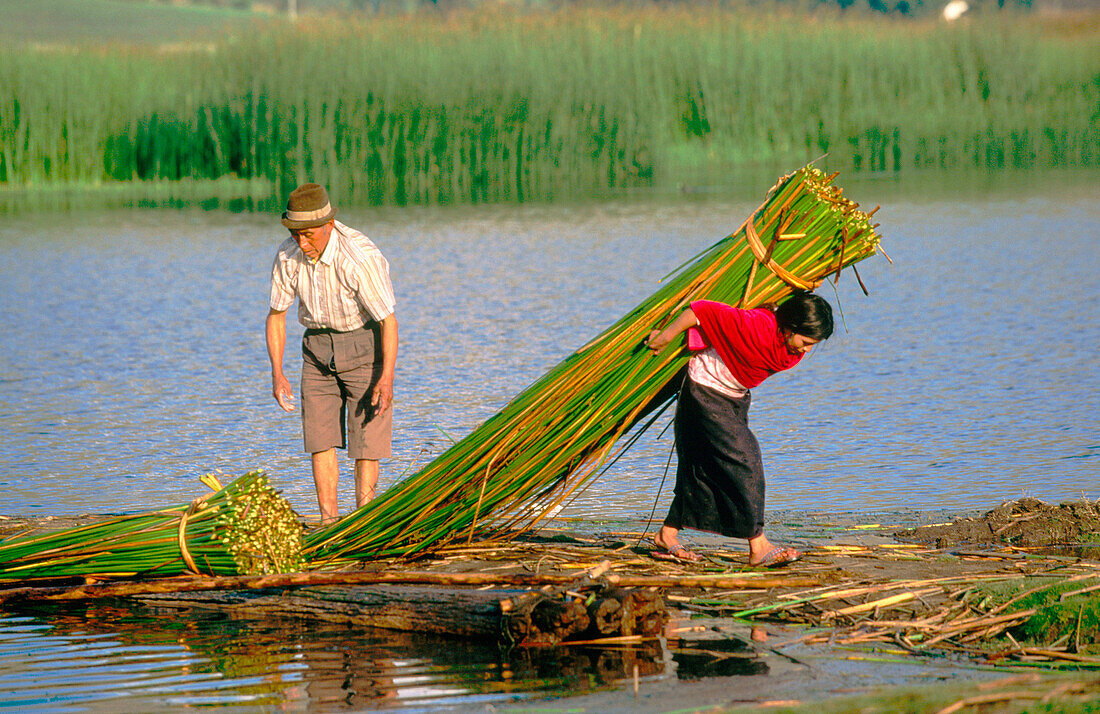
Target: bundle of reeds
557,434
243,528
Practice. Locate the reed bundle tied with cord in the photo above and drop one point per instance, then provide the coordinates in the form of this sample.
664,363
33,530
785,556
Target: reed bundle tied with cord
243,528
559,433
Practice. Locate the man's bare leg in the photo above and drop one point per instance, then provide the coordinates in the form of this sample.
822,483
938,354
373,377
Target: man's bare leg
326,477
366,479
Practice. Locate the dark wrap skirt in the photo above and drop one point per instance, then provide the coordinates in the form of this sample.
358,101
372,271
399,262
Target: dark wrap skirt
719,472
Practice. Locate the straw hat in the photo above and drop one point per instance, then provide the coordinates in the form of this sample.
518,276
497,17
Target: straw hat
308,207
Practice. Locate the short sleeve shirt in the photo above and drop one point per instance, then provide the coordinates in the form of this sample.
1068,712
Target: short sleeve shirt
347,287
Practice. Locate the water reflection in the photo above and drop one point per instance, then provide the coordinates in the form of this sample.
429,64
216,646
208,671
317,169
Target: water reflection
106,656
730,657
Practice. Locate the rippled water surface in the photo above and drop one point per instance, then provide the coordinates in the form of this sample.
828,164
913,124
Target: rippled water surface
133,361
133,357
106,658
137,658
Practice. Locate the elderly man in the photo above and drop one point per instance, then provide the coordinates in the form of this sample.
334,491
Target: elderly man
349,349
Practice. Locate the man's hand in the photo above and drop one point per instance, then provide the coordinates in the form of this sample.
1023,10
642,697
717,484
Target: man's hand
280,389
382,396
275,336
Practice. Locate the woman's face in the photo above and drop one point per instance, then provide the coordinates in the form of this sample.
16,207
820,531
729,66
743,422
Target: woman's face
798,344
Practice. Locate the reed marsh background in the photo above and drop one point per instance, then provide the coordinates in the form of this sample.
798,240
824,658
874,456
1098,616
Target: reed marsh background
485,106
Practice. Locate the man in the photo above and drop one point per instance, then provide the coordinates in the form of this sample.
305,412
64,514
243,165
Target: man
349,349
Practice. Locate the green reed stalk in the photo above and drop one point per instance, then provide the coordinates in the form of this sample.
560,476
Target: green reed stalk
244,528
555,437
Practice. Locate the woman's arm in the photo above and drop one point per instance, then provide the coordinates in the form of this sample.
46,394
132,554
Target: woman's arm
659,339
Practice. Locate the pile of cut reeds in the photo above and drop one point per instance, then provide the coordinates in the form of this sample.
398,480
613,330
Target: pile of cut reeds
559,433
950,613
243,528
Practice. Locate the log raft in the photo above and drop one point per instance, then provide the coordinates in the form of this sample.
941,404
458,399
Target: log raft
547,616
515,608
94,590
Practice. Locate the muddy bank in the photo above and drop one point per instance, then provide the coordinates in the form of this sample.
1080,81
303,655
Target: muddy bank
1027,523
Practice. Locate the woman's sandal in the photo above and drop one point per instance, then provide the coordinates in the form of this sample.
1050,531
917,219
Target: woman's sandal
777,557
677,554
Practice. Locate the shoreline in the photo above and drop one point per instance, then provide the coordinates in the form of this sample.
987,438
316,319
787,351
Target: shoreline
779,520
798,664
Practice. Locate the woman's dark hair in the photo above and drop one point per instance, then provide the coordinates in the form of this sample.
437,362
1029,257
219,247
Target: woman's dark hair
806,314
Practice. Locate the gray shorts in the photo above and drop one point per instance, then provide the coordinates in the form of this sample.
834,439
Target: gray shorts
339,371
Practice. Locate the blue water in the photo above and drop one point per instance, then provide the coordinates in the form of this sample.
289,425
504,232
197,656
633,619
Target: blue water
106,658
133,361
133,358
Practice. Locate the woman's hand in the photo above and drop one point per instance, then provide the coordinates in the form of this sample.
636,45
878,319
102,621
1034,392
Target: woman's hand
657,341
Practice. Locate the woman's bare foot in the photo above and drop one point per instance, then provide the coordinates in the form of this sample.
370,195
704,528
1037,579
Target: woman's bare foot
763,553
669,547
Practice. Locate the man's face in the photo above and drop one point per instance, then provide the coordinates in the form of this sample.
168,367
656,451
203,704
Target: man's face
312,241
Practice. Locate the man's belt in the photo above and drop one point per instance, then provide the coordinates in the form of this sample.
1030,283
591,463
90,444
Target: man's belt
310,331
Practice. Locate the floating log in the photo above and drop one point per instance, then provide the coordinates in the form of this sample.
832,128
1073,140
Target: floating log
543,617
412,608
748,581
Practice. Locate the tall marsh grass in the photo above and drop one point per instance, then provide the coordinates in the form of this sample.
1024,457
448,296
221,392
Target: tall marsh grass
473,107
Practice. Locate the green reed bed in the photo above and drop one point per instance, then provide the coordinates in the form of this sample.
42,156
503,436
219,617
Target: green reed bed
244,528
559,433
470,107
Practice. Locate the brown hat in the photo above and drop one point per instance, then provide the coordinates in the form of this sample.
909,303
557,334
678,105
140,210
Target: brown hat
308,207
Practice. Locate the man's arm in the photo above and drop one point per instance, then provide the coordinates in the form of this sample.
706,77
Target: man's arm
659,339
382,397
275,333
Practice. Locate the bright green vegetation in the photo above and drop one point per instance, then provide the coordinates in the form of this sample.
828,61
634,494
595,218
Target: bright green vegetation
473,107
244,528
1058,619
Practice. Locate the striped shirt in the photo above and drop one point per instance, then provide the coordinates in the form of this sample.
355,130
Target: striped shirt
347,287
708,369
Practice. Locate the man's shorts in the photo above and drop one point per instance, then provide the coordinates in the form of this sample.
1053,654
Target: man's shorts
339,372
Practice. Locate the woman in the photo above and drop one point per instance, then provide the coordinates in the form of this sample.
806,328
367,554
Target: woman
719,475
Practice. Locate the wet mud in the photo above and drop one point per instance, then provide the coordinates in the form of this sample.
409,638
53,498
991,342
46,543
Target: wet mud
1026,523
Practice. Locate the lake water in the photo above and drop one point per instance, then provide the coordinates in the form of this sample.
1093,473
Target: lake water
103,658
133,357
132,361
109,658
